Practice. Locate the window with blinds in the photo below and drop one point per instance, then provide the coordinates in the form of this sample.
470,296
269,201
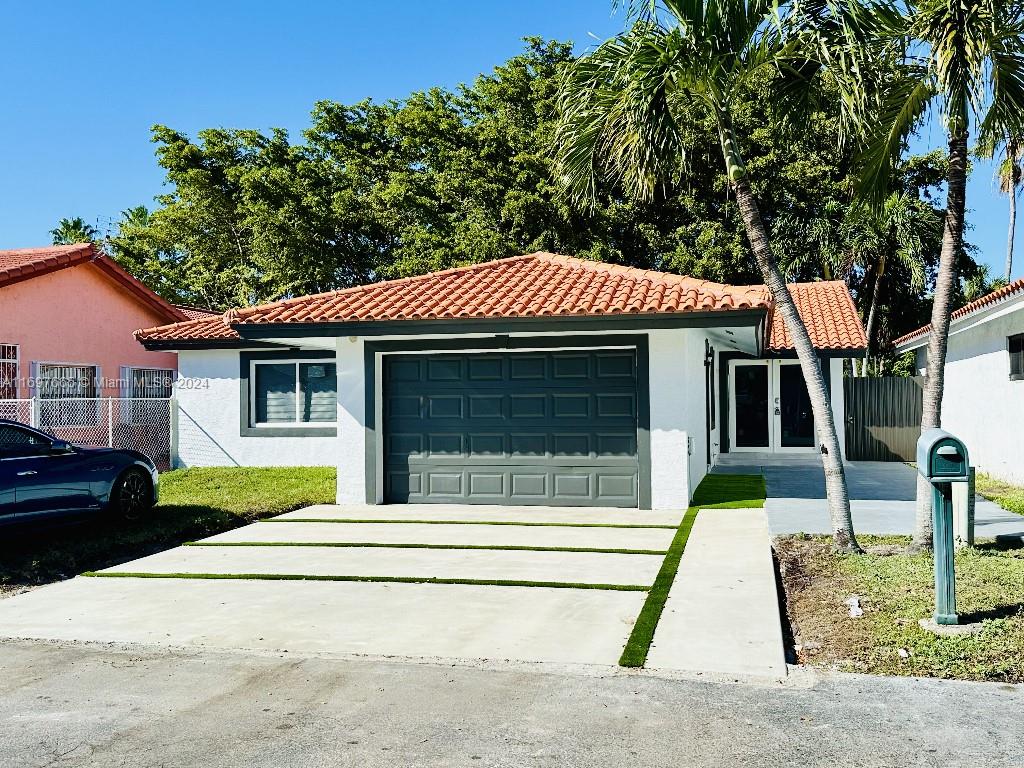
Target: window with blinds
293,392
8,371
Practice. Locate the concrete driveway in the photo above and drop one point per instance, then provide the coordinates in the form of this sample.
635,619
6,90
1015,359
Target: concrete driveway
881,496
535,584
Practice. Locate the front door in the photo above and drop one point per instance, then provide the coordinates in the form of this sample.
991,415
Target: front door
770,409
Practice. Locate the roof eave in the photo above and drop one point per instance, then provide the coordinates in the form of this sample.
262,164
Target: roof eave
499,325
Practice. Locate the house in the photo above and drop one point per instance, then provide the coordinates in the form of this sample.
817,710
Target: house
983,392
67,314
537,379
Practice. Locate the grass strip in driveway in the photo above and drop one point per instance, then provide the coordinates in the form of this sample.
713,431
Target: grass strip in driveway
715,492
639,643
383,579
499,547
460,522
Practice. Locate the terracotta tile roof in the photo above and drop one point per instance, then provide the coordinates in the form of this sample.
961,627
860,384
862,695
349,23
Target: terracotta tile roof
1012,289
195,313
536,285
28,263
25,263
829,313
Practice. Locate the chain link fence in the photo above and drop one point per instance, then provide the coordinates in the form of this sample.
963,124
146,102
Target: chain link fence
142,424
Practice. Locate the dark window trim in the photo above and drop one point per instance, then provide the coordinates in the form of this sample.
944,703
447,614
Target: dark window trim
1019,338
512,344
244,427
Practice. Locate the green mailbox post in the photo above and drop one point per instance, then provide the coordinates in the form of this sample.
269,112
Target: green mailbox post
942,460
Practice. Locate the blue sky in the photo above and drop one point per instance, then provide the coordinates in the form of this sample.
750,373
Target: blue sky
83,83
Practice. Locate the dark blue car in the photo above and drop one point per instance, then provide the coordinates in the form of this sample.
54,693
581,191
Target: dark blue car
43,478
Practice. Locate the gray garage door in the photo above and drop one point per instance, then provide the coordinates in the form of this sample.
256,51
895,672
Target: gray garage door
512,428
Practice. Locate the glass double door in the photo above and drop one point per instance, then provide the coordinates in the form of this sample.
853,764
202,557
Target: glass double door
770,409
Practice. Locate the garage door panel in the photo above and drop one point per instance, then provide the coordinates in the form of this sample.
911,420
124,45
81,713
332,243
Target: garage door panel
520,428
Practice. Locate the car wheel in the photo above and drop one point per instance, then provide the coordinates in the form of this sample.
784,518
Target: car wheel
131,498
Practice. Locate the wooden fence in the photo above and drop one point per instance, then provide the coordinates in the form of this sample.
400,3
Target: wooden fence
883,417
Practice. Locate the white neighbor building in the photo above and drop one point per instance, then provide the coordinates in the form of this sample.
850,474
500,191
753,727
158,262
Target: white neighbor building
537,379
983,393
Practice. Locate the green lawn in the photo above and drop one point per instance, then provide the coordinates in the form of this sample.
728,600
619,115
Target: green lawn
1009,497
896,590
194,503
714,492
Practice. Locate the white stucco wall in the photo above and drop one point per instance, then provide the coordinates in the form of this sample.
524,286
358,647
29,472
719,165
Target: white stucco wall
208,420
838,401
980,404
209,433
678,416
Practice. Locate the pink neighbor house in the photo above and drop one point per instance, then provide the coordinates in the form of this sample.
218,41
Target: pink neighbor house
67,314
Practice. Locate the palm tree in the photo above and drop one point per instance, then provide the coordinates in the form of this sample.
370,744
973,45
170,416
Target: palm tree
961,59
72,231
965,59
623,107
892,233
1010,174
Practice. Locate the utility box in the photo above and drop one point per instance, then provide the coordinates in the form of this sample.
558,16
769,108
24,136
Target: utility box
943,461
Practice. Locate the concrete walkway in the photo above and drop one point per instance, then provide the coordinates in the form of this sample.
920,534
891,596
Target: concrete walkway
561,624
722,613
881,496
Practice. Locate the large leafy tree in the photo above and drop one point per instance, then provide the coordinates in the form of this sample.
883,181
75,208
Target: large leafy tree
449,177
627,108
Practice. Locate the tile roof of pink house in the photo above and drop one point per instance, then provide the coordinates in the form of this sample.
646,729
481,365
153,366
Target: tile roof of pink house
535,285
28,263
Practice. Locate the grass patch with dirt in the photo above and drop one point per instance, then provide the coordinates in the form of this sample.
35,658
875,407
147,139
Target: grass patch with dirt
194,503
1009,497
895,590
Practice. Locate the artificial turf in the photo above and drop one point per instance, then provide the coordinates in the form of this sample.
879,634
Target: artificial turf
385,579
459,522
513,547
714,492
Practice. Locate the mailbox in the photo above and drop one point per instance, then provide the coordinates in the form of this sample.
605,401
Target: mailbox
942,460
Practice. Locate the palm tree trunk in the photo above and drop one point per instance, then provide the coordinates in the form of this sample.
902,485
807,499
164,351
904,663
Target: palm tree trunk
831,457
1011,147
869,330
945,281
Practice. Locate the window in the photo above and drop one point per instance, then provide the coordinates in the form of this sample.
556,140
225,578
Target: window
293,392
8,371
150,382
1016,347
72,392
14,436
63,381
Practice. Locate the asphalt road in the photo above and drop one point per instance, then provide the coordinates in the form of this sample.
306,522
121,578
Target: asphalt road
66,705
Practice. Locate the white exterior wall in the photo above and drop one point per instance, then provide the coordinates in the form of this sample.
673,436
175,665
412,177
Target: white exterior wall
678,419
208,420
838,401
980,404
209,433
